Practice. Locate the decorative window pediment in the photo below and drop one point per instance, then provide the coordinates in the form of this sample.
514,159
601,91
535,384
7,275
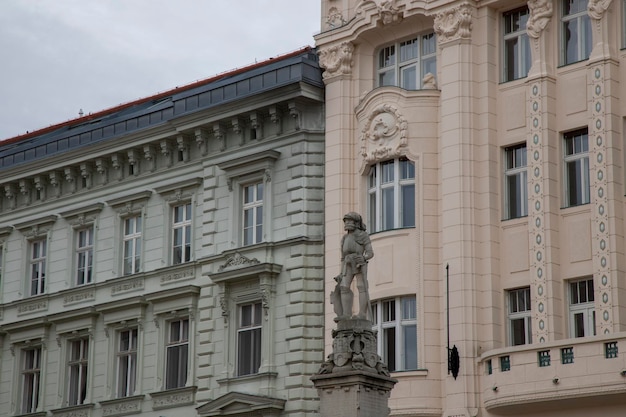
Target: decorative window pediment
250,164
239,404
36,228
179,191
83,215
130,204
239,268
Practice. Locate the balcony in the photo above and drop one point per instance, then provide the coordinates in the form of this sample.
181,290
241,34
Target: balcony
569,373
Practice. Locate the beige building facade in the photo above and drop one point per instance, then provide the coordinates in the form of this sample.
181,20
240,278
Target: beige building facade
483,143
165,257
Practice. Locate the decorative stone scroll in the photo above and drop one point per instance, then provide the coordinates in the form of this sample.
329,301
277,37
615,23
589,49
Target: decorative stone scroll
337,60
540,15
596,8
455,23
384,134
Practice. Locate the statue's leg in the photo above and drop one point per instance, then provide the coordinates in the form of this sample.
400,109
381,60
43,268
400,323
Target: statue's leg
363,298
346,294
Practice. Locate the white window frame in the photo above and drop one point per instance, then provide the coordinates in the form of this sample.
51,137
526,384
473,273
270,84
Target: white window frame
398,316
30,385
84,255
78,370
396,62
519,310
378,190
132,232
177,351
515,169
576,155
37,266
514,32
252,212
126,358
582,23
185,225
582,306
254,329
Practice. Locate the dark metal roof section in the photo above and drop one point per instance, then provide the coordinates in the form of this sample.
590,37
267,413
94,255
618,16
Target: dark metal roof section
159,109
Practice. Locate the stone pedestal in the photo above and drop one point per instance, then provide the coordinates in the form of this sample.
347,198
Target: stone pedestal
353,382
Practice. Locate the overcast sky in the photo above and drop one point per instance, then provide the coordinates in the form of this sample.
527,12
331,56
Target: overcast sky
60,56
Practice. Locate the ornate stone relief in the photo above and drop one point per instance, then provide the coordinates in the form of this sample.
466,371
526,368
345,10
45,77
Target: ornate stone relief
337,60
596,8
540,15
334,19
236,261
455,23
384,134
388,12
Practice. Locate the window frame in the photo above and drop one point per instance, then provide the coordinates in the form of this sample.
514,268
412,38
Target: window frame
77,390
399,324
583,26
85,253
186,225
178,345
126,360
30,379
255,206
135,237
515,167
255,329
37,258
421,61
516,314
583,189
522,58
377,195
584,308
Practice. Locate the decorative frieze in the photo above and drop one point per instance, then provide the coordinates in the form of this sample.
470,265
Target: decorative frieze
173,398
185,274
136,284
32,307
122,407
79,297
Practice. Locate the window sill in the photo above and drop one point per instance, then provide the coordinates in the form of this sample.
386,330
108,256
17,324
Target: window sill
174,397
122,406
246,378
410,374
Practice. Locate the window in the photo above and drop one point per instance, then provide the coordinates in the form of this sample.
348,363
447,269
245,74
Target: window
417,57
575,31
391,187
582,309
126,362
77,371
253,213
249,339
520,331
182,234
38,267
395,322
576,168
177,354
517,58
132,245
31,379
515,187
84,256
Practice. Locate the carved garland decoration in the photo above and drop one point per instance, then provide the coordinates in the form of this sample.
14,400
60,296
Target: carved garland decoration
379,134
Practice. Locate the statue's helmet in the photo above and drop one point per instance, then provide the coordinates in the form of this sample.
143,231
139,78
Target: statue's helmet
356,218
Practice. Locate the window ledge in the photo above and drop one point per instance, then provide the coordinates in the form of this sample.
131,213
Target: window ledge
122,406
250,377
409,374
173,397
83,410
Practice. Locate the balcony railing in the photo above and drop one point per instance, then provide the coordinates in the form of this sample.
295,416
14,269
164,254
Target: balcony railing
536,376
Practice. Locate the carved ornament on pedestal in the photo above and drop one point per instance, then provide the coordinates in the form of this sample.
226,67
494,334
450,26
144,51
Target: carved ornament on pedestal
455,23
384,135
337,60
334,19
388,12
